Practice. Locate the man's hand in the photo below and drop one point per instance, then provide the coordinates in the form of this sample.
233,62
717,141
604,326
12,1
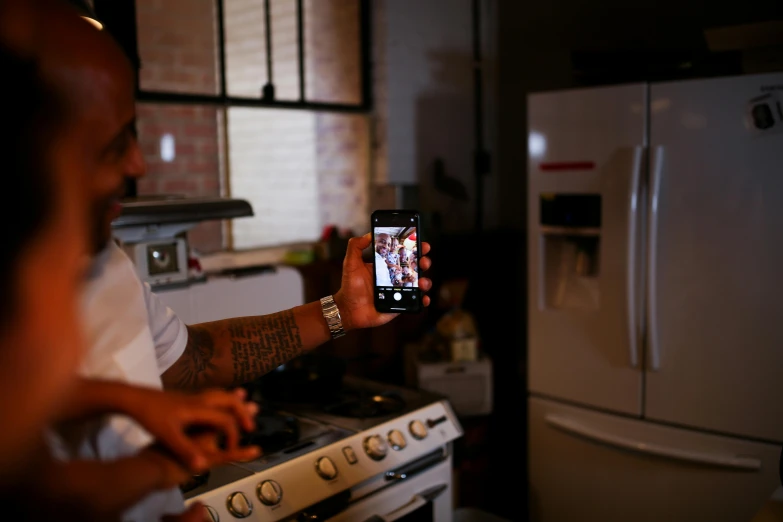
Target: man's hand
355,297
172,418
172,472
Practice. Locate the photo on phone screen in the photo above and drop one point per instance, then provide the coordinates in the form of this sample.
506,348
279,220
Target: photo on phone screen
397,244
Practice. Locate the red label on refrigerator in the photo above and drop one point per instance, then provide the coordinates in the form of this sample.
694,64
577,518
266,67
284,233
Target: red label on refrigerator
567,165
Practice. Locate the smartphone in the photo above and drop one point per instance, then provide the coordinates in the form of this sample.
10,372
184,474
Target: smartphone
397,243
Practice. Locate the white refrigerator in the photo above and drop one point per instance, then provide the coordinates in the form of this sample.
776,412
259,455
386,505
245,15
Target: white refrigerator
655,334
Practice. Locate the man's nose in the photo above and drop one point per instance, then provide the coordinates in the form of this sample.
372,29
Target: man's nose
135,166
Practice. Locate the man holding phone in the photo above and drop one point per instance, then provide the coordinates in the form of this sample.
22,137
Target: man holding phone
382,245
133,337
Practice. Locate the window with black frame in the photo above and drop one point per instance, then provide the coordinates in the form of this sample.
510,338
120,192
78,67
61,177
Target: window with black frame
266,100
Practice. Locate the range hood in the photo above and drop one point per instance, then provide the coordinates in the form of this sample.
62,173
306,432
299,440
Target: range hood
169,210
146,218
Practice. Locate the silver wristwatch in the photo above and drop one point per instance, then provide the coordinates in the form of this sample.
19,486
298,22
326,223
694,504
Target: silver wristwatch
332,316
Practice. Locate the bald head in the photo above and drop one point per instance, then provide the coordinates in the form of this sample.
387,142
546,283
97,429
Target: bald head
382,243
89,69
85,60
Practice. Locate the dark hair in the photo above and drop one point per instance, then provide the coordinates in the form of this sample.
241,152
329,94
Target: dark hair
30,113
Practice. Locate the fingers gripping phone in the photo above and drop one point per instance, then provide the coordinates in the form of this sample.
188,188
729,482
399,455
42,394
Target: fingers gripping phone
397,244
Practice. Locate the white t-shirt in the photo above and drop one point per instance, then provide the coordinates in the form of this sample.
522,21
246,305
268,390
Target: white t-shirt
132,337
382,277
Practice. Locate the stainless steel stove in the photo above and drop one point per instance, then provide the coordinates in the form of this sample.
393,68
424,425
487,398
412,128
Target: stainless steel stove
371,451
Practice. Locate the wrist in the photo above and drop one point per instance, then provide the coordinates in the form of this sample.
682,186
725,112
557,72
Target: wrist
126,399
153,461
342,307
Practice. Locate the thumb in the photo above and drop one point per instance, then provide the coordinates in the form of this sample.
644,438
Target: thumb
187,452
353,254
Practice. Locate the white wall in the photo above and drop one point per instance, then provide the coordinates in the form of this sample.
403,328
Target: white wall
424,93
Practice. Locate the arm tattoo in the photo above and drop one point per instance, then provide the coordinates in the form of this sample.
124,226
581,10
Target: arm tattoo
261,344
197,359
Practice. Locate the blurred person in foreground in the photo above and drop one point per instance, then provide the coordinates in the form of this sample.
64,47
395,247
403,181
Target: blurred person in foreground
131,335
46,255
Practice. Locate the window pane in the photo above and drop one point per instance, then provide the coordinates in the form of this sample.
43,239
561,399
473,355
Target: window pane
246,68
332,58
343,165
272,164
177,42
182,147
332,36
300,171
245,47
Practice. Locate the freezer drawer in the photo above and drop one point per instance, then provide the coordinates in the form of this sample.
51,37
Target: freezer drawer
586,465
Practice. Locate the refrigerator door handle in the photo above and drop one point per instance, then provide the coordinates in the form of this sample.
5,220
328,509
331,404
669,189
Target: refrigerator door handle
652,268
633,214
638,446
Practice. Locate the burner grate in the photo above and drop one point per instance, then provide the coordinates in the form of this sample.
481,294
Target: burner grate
363,404
274,432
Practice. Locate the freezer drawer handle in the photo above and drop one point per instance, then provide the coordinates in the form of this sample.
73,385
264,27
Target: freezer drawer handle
419,500
638,446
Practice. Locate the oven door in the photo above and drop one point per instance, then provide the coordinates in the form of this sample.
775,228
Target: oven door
424,497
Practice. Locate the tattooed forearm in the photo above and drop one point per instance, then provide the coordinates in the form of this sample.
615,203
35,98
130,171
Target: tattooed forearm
196,363
260,344
235,351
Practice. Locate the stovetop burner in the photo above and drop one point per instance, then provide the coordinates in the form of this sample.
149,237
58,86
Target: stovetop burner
274,432
288,429
364,404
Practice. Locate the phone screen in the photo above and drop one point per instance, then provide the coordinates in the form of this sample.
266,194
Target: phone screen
397,244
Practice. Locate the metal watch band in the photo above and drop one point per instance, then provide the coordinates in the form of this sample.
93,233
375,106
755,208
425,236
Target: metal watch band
332,316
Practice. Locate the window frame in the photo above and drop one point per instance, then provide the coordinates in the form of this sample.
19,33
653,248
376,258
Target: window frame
222,98
119,17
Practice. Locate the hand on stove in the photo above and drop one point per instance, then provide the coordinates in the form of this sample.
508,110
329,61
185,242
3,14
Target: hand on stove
355,297
174,418
173,472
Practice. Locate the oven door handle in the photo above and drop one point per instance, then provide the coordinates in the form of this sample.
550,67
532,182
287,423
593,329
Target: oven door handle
416,466
419,500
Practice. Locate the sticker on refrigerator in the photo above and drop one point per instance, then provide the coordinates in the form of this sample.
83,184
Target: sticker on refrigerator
764,114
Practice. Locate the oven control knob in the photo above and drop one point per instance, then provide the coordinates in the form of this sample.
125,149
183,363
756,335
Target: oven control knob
418,429
397,440
326,468
269,493
239,505
375,447
210,514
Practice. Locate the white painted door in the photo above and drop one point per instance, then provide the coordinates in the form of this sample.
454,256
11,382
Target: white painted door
584,295
715,341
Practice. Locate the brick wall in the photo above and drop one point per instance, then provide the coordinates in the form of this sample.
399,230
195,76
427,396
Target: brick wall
195,168
178,52
343,149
